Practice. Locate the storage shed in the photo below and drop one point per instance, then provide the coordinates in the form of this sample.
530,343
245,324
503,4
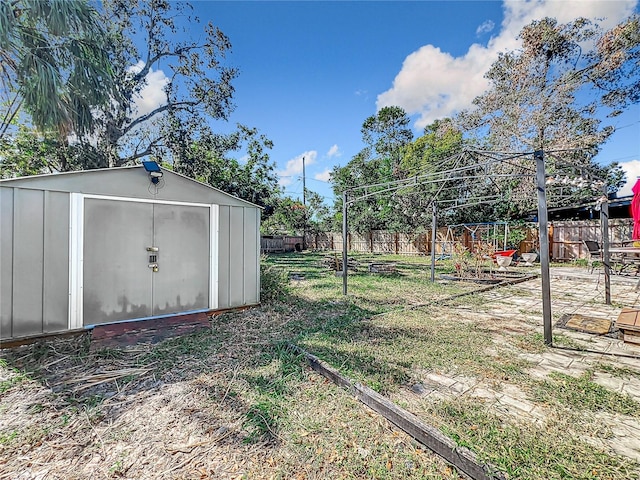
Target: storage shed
85,248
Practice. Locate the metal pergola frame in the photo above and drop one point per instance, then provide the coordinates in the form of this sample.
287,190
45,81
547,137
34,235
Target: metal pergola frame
447,175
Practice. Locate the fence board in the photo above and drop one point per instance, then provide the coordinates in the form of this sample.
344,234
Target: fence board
271,244
565,239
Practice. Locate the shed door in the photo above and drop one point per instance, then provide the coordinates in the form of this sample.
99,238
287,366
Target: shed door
123,240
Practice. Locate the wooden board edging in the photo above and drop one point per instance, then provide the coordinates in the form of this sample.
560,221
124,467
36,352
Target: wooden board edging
28,339
463,459
443,301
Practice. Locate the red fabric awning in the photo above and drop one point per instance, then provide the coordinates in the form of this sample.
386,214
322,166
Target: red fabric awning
635,210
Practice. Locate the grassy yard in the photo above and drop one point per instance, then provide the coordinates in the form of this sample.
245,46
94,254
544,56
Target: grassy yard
386,343
237,402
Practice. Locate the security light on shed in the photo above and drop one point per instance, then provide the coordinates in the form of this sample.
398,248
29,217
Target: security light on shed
154,170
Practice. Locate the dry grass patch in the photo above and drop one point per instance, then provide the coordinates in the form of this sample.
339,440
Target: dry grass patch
230,403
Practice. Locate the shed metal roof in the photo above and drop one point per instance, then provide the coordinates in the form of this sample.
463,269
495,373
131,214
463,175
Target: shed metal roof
130,181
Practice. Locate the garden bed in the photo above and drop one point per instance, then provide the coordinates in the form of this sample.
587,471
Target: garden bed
488,278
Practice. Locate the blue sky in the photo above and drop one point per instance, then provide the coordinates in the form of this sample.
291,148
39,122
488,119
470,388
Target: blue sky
312,72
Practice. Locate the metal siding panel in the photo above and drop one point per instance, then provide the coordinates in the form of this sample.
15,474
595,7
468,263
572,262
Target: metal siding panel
223,257
214,227
182,281
28,242
251,256
116,276
6,261
56,262
236,257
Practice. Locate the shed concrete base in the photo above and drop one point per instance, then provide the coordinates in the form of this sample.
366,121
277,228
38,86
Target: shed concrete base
118,334
154,330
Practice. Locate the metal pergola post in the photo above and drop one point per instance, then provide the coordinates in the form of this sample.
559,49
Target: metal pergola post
604,227
344,242
544,245
434,224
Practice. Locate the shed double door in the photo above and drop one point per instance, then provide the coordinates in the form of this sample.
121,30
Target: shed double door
144,259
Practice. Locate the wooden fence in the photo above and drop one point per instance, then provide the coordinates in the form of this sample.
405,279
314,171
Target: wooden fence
565,239
273,244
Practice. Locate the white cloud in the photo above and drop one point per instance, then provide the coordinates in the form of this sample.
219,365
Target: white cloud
323,176
632,170
486,27
334,151
152,94
294,167
434,84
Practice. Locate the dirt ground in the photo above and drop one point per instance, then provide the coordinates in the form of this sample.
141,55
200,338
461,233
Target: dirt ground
180,410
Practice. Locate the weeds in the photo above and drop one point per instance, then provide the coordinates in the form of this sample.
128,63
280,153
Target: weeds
534,342
272,382
262,421
7,438
583,394
526,451
14,380
621,372
274,282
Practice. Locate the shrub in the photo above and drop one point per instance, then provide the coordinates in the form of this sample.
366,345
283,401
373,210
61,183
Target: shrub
274,283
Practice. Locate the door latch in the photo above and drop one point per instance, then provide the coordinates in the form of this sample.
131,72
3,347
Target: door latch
153,258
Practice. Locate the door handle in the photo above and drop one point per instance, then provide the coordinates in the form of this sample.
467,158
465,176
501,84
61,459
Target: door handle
153,266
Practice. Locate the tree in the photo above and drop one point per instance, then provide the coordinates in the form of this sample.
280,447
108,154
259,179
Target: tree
208,160
426,158
288,218
439,141
551,96
197,86
373,212
292,217
386,133
29,152
613,67
53,64
386,136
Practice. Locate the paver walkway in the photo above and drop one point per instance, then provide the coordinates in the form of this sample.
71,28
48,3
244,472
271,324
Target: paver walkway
518,308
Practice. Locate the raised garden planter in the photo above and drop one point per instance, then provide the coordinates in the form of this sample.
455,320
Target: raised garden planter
383,268
486,278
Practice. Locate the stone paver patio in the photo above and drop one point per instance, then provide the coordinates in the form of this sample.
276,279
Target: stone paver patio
518,308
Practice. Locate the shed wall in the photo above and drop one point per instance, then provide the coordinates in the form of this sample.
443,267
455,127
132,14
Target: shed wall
34,244
239,262
34,278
